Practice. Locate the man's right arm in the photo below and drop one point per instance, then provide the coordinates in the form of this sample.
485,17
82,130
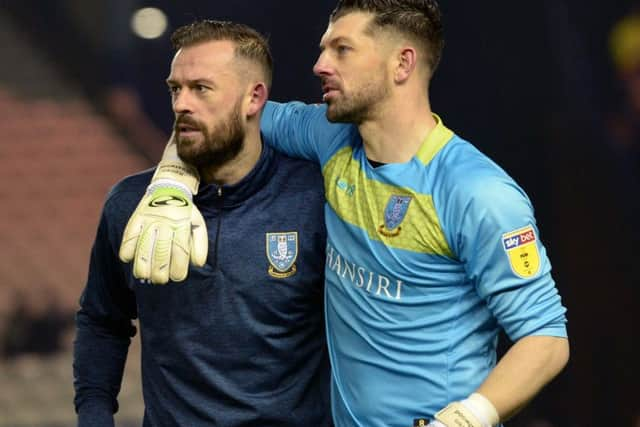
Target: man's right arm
296,129
103,331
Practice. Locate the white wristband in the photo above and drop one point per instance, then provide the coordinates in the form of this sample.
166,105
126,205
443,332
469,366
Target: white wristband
482,408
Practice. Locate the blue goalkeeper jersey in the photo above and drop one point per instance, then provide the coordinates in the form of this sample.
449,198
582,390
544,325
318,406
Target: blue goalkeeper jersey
426,261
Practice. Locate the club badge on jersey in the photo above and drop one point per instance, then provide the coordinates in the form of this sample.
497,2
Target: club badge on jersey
522,249
282,252
394,214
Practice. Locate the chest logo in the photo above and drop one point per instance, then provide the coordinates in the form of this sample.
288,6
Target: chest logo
394,214
522,249
282,252
344,186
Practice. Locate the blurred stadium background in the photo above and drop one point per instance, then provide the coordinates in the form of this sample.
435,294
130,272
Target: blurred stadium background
550,89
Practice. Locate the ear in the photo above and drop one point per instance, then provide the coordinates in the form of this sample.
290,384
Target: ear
258,94
406,63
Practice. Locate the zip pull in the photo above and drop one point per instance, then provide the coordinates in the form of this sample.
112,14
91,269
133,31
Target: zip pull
220,191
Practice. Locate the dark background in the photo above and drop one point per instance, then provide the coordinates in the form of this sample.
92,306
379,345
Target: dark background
531,84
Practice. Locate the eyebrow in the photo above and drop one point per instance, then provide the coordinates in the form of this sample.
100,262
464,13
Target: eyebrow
335,41
173,82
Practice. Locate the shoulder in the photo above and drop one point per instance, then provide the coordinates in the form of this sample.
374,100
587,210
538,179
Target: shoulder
298,172
296,191
470,174
472,191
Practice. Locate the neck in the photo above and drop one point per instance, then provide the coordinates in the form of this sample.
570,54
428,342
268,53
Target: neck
234,170
396,131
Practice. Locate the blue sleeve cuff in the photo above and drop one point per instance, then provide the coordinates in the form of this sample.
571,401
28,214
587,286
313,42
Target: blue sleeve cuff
95,413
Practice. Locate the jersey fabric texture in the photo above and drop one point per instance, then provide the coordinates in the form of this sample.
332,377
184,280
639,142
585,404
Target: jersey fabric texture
241,341
426,261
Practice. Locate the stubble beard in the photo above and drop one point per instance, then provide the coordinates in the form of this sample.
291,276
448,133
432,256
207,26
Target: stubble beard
219,146
358,106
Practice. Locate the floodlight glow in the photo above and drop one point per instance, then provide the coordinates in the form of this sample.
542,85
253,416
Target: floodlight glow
149,23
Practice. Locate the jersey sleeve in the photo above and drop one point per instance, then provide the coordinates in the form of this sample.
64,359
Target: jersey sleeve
103,330
497,239
300,130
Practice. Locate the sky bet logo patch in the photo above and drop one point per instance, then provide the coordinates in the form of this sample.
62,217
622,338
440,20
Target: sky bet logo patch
522,249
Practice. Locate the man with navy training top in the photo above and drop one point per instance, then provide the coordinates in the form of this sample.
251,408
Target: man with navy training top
432,248
241,341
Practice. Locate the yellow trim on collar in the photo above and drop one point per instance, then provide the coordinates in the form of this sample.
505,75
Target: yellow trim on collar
437,138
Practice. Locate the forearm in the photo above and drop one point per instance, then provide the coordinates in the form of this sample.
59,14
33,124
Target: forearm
523,371
98,365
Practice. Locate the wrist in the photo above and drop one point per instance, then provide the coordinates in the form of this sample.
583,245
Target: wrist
95,413
482,408
178,171
474,411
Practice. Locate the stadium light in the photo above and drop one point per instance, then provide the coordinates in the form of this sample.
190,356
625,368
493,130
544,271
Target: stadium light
149,23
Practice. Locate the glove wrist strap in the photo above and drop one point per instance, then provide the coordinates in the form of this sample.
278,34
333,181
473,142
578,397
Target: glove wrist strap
178,171
169,184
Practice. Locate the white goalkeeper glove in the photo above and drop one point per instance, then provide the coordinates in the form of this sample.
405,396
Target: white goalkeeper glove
166,230
474,411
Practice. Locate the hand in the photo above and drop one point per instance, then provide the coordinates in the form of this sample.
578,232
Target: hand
165,231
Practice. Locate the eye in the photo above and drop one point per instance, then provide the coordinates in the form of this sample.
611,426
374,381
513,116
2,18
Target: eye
343,49
201,88
173,90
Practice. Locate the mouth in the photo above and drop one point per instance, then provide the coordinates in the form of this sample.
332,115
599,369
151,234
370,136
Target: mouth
329,92
187,129
330,95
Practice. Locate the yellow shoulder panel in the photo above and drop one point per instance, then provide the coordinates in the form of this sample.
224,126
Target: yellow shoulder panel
396,216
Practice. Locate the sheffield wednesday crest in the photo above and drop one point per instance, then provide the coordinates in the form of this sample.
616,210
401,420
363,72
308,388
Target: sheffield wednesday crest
282,252
394,214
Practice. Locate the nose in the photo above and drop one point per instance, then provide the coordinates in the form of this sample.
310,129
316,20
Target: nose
322,66
181,102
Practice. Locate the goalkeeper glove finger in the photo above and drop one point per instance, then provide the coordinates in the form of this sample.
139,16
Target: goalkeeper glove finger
165,232
199,238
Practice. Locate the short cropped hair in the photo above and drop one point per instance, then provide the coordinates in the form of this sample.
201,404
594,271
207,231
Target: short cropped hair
249,43
420,20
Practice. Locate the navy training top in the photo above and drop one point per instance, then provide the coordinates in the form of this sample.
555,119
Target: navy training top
239,342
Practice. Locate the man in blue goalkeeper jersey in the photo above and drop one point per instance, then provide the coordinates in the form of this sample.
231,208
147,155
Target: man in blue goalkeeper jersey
432,248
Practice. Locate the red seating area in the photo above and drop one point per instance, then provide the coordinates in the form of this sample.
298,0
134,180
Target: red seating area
58,160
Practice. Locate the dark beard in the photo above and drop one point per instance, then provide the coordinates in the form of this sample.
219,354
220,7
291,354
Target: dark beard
359,106
219,146
351,114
